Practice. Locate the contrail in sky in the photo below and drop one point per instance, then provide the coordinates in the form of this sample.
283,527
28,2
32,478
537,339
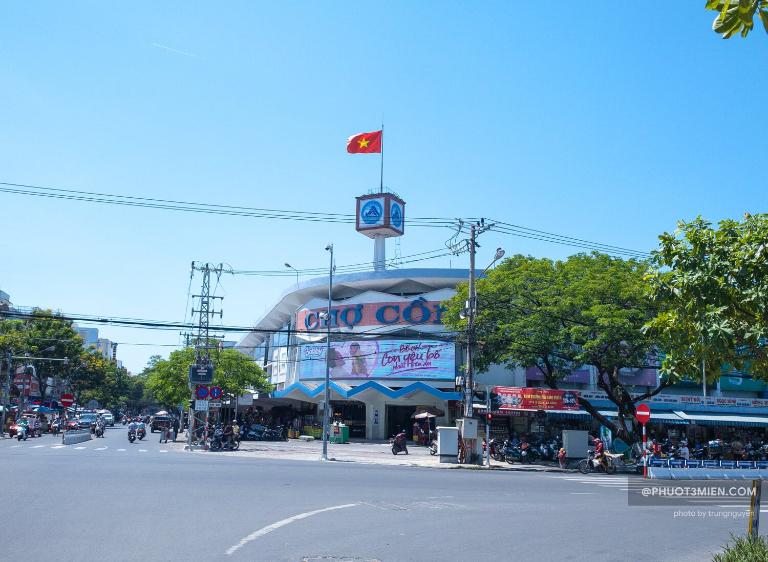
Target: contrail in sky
172,50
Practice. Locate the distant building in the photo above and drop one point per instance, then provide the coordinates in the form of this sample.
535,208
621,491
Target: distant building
5,301
90,336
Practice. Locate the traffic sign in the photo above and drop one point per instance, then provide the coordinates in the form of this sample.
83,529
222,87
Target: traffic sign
214,405
201,392
215,392
201,375
643,414
201,405
67,400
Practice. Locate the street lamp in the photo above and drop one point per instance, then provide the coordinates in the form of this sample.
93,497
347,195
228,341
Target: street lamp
289,266
497,257
327,401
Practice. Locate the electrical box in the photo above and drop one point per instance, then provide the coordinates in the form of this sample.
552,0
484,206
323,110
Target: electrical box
448,444
575,443
468,428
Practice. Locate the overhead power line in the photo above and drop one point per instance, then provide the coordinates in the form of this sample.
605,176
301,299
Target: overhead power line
302,216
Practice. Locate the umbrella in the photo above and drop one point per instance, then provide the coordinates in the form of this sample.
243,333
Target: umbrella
422,416
435,412
43,410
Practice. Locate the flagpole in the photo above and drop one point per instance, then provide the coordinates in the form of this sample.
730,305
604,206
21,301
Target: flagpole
381,185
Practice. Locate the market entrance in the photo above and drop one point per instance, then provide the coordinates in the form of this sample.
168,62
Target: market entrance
399,419
352,414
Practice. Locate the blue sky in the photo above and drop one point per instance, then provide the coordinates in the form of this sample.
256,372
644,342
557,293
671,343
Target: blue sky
607,125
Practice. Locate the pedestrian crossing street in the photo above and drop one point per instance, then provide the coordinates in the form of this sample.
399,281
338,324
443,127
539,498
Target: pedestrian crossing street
88,447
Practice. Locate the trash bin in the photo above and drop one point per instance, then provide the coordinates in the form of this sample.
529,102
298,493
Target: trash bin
339,433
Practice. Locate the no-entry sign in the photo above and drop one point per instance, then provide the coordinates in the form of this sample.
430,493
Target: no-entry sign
67,400
643,414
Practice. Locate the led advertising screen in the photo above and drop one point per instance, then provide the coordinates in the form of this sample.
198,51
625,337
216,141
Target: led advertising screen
380,359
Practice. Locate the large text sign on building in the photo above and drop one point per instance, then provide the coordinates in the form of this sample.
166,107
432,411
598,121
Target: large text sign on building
380,359
416,312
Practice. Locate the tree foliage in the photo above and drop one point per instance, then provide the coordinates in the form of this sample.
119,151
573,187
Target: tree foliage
714,283
235,373
737,16
558,316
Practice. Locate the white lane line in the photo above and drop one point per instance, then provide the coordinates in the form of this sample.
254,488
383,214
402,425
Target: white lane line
37,446
100,449
142,450
163,451
58,446
80,448
282,523
120,450
583,493
14,446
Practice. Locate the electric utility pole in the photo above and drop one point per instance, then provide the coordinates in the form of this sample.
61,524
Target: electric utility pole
470,310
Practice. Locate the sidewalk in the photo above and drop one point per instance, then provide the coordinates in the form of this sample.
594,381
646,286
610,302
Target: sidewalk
364,452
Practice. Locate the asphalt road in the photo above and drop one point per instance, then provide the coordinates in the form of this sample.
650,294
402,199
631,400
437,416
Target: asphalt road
112,500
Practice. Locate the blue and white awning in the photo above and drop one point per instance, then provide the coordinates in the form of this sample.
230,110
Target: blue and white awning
724,419
346,391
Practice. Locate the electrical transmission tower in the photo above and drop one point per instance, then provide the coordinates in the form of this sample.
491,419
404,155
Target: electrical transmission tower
202,370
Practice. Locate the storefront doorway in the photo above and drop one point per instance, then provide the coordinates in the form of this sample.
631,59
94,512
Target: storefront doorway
399,419
352,414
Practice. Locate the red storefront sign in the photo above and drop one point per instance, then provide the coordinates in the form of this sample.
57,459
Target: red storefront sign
516,398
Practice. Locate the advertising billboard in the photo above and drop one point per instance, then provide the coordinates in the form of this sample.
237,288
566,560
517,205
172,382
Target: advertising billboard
380,359
504,398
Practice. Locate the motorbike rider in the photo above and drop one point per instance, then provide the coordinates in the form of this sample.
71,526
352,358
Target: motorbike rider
599,450
229,434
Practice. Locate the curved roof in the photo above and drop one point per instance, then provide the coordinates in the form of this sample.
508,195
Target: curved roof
393,281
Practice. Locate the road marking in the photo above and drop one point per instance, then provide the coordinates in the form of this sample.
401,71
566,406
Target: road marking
37,446
58,446
142,450
120,450
582,493
80,448
282,523
14,446
163,451
100,449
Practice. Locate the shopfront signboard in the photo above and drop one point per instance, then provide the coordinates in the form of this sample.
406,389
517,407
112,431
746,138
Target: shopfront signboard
380,359
684,400
506,398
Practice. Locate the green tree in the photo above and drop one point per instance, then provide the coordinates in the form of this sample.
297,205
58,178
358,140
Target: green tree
714,286
234,373
87,374
558,316
737,16
43,335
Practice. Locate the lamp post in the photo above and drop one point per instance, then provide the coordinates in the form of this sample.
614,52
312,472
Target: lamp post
327,400
289,266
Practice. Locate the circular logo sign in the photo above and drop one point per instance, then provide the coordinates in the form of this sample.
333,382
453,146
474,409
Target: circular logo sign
371,212
201,392
215,392
396,215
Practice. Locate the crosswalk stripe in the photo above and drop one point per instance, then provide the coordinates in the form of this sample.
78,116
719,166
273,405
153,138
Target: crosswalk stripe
80,448
100,449
58,446
37,446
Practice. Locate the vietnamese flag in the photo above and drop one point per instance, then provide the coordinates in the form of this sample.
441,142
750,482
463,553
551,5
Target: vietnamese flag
365,143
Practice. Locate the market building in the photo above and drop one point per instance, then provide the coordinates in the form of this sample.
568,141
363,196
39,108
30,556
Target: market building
392,357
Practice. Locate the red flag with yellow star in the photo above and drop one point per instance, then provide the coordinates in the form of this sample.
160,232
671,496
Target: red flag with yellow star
365,143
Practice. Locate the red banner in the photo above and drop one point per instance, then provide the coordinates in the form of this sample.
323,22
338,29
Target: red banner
515,398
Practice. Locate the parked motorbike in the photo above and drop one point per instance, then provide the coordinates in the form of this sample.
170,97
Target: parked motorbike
399,443
220,442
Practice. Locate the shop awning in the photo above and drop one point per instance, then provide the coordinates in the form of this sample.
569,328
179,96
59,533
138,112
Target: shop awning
664,418
724,419
568,414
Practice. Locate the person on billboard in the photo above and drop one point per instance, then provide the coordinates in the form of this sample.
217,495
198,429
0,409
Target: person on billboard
359,367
